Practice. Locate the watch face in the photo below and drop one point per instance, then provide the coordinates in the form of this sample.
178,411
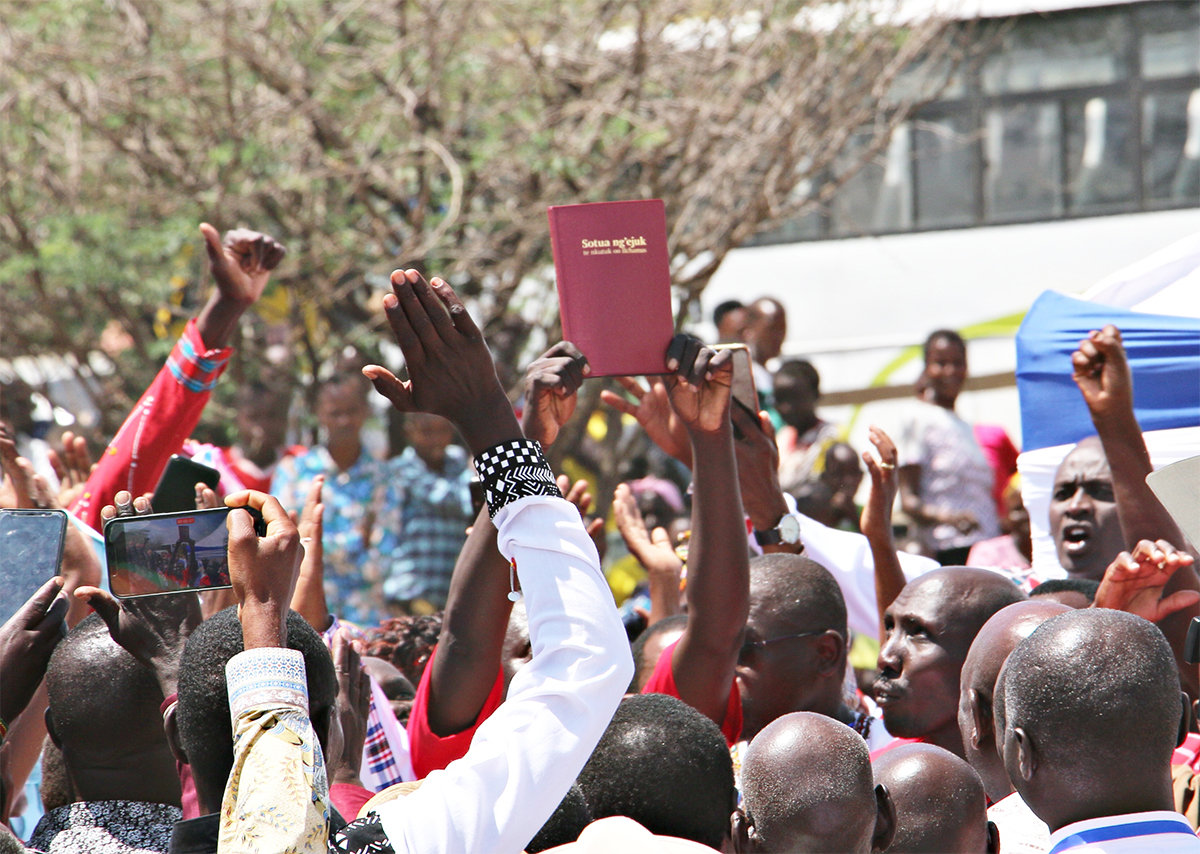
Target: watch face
789,529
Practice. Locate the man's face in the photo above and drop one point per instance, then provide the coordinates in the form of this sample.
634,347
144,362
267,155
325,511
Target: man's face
766,330
1083,513
777,678
795,400
921,659
429,437
342,411
732,328
262,427
945,370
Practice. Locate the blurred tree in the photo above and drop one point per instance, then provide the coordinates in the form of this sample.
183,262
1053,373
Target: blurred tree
371,134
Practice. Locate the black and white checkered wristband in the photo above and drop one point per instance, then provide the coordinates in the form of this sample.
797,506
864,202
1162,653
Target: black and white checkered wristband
513,470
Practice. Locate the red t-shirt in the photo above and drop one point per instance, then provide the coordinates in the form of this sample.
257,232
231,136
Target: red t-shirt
431,752
893,744
663,682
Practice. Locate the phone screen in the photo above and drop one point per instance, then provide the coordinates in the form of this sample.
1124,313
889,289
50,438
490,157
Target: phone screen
167,552
31,543
176,490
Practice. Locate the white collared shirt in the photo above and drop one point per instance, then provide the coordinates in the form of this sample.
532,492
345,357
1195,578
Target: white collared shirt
1160,831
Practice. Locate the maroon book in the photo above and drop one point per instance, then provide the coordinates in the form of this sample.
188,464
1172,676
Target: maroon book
614,284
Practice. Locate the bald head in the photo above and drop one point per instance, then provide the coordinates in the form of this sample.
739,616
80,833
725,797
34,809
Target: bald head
930,628
940,802
1088,692
807,786
799,590
96,689
998,637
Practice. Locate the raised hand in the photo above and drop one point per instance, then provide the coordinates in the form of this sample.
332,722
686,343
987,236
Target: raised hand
652,548
577,493
654,413
1102,373
26,642
551,385
1134,582
757,467
876,518
17,474
153,629
262,570
653,551
309,599
242,263
450,370
73,464
700,386
353,705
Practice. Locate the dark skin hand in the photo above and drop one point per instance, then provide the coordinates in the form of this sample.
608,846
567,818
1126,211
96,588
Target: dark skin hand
654,413
262,570
551,390
26,642
654,552
353,705
153,629
1102,373
309,599
1134,582
718,566
241,266
470,646
450,370
72,465
758,473
876,523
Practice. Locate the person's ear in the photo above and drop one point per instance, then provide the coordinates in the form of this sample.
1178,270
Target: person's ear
1027,763
993,838
50,729
171,727
885,819
742,833
983,728
831,647
1185,720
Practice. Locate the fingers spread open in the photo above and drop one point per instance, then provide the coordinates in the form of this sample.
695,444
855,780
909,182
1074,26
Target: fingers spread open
617,402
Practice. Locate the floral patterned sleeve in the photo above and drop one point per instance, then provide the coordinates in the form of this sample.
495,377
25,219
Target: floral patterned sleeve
277,797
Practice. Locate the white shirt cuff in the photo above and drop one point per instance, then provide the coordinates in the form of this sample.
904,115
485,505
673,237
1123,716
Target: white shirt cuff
268,676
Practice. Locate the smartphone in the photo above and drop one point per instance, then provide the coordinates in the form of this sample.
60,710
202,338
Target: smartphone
744,390
169,552
31,544
176,490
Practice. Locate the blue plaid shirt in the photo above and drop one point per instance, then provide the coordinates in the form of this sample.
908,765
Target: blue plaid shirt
361,524
435,511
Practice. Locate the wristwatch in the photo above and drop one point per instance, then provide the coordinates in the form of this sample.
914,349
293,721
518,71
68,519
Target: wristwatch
786,532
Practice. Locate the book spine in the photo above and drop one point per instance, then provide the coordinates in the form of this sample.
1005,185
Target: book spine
560,254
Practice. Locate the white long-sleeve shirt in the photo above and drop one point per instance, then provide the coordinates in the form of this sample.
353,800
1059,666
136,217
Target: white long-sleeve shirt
525,757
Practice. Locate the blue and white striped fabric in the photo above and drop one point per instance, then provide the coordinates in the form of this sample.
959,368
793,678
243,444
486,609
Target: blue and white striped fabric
1156,304
1161,831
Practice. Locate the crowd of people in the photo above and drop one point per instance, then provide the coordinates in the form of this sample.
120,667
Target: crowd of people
441,652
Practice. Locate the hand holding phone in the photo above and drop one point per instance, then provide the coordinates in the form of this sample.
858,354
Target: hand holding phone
31,546
263,567
26,642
